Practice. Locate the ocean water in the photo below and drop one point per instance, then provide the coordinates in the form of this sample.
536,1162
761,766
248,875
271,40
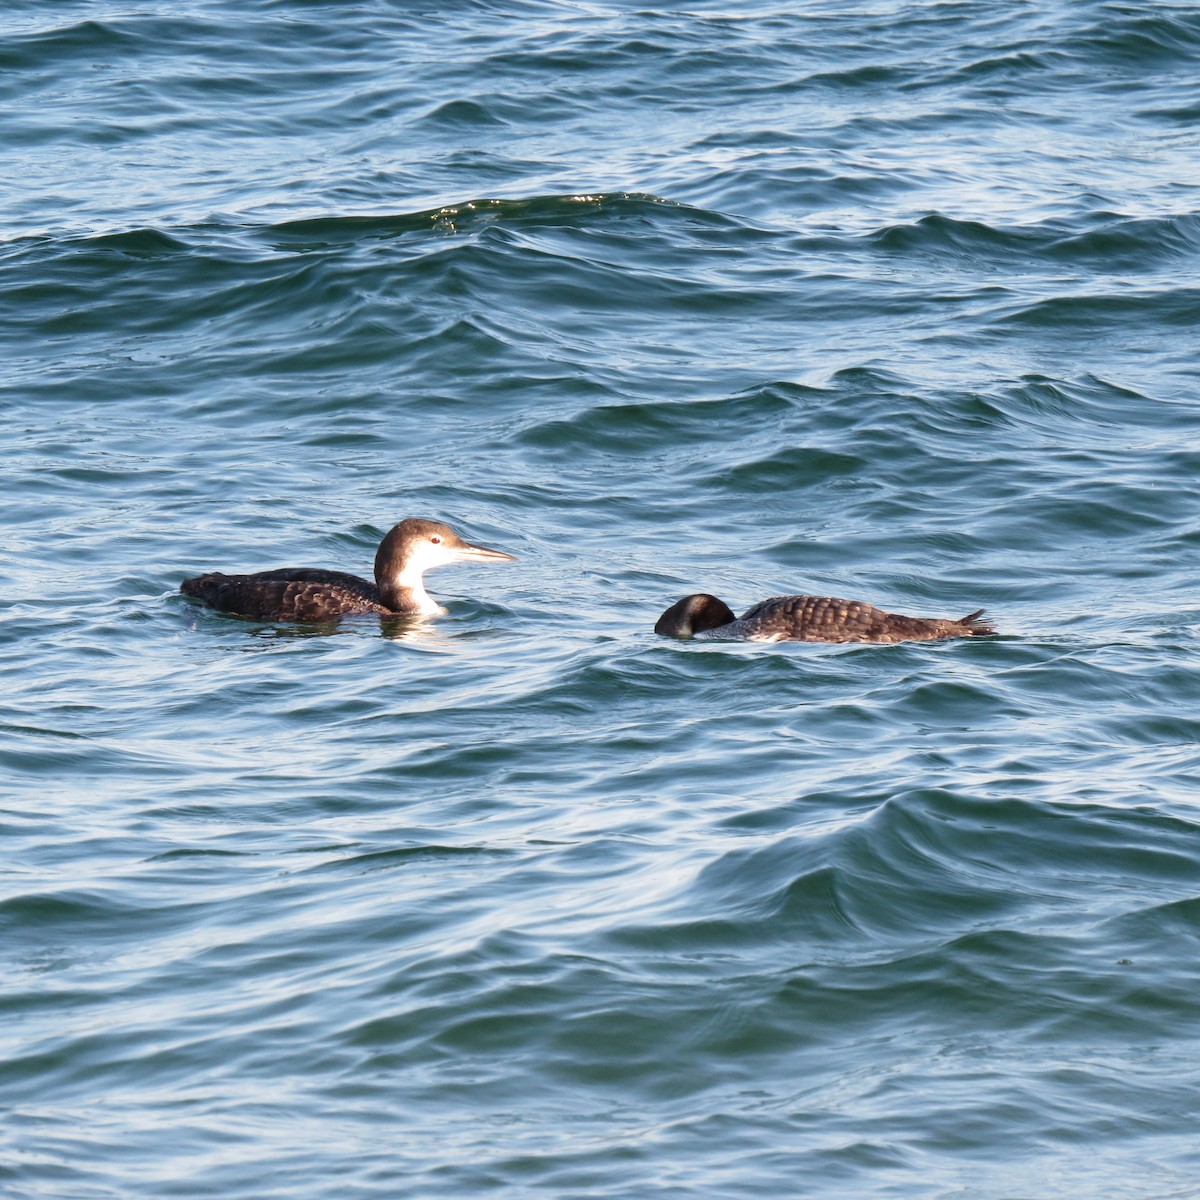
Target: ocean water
894,300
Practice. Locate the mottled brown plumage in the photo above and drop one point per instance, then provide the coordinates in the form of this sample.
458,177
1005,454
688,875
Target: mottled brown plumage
288,594
809,619
310,594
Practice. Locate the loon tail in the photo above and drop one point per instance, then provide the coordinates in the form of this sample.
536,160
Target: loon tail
975,626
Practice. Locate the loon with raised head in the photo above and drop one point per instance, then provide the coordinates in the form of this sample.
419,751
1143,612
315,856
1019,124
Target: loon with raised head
808,619
307,594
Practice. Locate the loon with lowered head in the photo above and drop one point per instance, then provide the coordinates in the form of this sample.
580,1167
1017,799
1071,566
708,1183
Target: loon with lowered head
809,619
308,594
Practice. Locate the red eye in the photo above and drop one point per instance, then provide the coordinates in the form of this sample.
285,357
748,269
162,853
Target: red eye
437,541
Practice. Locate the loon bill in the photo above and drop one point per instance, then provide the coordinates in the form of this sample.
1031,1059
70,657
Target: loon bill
809,619
307,594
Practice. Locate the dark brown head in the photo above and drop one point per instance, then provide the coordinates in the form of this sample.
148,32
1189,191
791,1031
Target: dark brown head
692,615
415,545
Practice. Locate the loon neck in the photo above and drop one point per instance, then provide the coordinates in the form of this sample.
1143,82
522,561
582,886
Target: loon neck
410,600
404,592
398,574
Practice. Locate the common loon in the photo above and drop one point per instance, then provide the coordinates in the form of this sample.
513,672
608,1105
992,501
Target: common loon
306,594
808,619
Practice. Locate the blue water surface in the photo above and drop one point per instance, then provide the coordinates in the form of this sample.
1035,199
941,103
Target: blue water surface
895,301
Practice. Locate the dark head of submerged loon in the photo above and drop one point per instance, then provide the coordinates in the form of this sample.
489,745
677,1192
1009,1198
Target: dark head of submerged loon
412,548
692,615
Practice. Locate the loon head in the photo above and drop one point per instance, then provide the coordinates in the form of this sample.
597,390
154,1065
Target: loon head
692,615
412,548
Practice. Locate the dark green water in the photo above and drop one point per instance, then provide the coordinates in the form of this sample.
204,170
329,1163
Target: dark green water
896,301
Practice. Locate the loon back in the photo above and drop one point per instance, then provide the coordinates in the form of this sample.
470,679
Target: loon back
809,619
287,594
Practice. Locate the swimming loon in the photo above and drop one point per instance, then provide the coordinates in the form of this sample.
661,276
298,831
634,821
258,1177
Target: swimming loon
808,619
306,594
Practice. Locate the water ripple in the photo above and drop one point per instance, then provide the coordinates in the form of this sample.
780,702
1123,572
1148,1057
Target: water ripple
895,304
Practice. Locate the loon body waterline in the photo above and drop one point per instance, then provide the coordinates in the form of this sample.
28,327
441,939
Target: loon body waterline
307,594
808,619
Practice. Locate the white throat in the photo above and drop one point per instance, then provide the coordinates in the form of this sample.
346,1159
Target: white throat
408,580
